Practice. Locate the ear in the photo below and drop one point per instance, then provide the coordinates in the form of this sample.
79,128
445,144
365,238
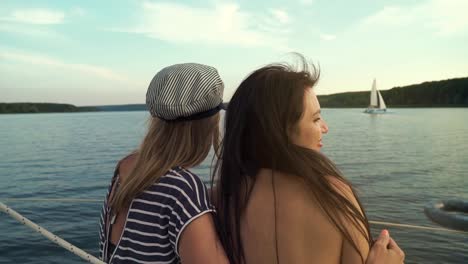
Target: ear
293,134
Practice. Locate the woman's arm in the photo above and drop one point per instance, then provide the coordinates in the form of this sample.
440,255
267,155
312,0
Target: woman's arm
199,243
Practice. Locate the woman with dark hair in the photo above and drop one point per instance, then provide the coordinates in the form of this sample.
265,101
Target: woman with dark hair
280,200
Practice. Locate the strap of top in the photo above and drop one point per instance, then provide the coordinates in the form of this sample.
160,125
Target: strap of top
111,246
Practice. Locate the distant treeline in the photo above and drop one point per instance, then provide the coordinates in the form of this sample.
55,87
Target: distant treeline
129,107
447,93
10,108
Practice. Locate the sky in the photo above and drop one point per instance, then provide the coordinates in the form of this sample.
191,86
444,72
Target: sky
106,52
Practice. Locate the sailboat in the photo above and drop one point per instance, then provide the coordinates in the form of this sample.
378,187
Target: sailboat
377,103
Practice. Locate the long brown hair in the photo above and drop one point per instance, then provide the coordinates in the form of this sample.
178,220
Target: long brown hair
167,144
262,112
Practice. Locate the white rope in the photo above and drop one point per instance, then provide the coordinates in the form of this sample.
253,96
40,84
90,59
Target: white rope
73,249
71,200
418,227
80,200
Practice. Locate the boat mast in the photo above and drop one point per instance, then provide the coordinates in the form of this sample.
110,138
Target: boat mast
373,97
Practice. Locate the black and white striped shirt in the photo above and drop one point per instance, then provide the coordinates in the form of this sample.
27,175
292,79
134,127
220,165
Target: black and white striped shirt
156,219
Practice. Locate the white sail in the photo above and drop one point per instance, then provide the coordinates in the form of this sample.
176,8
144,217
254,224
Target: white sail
377,103
373,96
381,101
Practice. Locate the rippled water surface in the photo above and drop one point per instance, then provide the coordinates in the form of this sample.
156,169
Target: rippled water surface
399,162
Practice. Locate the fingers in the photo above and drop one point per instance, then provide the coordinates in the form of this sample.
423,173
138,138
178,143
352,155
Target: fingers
385,250
393,246
384,238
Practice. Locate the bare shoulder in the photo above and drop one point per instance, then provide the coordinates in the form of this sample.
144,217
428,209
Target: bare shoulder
313,234
342,188
126,165
304,205
345,190
295,194
349,252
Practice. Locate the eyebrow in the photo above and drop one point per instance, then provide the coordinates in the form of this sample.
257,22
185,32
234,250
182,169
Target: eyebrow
318,112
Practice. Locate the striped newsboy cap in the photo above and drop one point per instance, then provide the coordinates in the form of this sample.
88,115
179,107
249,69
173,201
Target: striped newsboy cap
187,91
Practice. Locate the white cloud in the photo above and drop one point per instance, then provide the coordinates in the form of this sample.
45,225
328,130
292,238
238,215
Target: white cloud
41,60
36,22
280,15
443,17
223,23
448,16
33,77
29,31
38,16
327,37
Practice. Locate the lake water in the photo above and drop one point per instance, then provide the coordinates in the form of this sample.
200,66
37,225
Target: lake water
399,162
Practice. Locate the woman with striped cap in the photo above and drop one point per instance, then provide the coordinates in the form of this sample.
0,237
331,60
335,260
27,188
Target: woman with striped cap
156,209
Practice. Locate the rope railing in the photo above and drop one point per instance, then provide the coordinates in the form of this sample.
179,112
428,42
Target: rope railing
59,241
90,258
85,200
65,200
429,228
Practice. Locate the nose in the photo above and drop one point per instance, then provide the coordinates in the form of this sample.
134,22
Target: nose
324,127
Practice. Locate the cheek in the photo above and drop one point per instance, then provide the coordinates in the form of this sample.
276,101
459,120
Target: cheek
314,132
310,135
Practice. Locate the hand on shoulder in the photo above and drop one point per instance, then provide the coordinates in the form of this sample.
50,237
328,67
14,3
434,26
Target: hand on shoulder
349,252
385,251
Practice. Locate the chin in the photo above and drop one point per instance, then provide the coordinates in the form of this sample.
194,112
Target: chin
316,148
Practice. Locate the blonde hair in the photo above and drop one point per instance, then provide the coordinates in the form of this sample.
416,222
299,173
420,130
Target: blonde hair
167,144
